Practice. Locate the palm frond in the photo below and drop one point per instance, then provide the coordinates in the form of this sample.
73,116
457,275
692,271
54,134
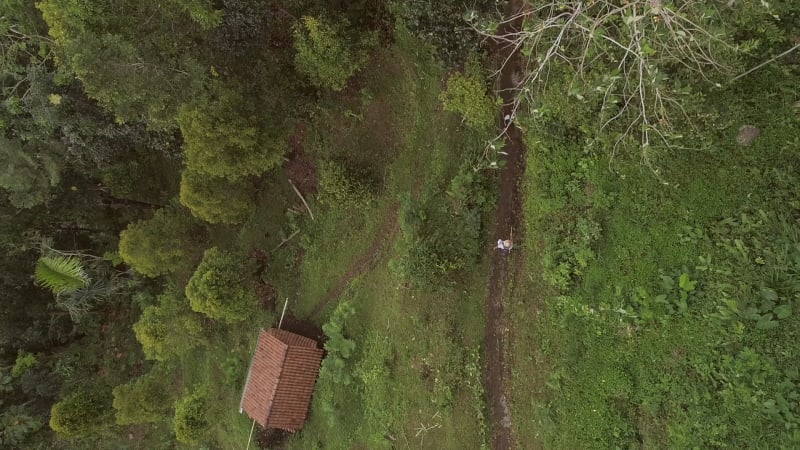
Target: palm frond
81,301
61,274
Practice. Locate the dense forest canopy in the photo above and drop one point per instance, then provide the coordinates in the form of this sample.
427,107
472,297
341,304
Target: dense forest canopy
169,170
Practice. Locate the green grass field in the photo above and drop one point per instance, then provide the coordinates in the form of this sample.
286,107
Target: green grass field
662,315
416,370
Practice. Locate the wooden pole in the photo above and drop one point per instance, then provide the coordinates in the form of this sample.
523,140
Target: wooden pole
250,438
284,312
296,191
291,236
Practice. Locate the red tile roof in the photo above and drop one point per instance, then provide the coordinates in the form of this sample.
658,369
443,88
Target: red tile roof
281,380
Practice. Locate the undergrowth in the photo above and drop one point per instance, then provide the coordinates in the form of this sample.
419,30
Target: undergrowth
668,310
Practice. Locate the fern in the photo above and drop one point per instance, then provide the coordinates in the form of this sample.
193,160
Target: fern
61,274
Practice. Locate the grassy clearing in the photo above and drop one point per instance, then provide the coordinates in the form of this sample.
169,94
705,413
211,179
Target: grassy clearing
416,371
663,314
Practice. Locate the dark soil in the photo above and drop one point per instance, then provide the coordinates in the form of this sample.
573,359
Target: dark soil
508,217
271,438
267,295
303,328
300,168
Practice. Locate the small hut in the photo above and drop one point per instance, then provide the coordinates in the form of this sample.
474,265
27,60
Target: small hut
281,379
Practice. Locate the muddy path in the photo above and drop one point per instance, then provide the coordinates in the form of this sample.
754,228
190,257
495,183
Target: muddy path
383,238
508,216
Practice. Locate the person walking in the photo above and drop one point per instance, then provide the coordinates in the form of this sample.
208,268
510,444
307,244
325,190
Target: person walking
504,245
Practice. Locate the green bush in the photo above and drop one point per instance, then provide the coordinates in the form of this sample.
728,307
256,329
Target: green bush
170,328
444,25
216,200
25,361
339,348
160,245
219,288
326,55
225,137
441,235
29,171
466,94
335,371
18,424
338,188
193,417
146,399
83,413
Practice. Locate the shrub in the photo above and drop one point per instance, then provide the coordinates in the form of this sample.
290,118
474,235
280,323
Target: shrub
146,399
18,423
443,25
28,172
325,54
193,417
25,361
216,200
339,348
82,413
218,287
170,328
147,179
466,95
441,236
337,188
225,137
160,245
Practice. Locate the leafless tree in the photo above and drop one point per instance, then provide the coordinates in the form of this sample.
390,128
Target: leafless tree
620,51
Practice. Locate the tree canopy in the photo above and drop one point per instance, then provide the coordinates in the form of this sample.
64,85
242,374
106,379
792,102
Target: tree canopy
169,328
224,138
161,244
138,59
82,413
217,290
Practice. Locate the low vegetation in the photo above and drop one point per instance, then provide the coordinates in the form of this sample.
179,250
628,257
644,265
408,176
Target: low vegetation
666,303
173,174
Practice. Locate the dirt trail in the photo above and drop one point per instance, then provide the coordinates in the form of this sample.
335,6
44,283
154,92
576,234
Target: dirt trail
508,216
383,237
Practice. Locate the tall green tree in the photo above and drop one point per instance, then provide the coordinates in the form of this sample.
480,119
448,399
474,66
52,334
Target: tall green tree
219,288
194,416
327,54
161,244
217,200
138,59
226,136
169,328
145,399
82,413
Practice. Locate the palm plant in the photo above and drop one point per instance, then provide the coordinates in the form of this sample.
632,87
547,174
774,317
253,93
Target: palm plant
66,274
61,274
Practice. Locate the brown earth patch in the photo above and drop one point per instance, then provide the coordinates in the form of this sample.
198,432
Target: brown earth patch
299,167
508,216
272,438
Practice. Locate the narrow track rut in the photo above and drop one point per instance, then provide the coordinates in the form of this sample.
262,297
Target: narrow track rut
507,217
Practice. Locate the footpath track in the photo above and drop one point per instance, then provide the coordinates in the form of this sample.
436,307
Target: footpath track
507,217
